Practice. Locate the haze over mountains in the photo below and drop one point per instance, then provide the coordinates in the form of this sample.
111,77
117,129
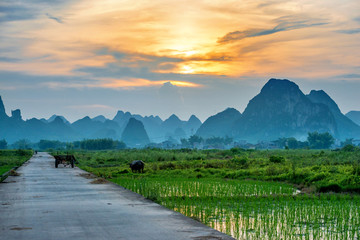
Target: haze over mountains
124,126
281,109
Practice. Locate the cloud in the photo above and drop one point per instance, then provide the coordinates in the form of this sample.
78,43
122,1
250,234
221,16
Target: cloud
91,107
12,12
9,59
285,23
171,98
57,19
112,83
349,31
351,76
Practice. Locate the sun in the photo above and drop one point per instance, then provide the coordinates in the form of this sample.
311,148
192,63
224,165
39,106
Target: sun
186,69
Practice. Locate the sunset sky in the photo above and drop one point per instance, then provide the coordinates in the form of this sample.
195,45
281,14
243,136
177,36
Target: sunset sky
87,57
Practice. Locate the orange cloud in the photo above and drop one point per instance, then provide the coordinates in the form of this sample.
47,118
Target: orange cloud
113,83
262,38
132,83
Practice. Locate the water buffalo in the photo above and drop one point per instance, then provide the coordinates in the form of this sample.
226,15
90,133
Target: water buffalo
137,165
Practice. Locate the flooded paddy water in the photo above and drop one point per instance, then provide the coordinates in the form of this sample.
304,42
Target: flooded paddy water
255,209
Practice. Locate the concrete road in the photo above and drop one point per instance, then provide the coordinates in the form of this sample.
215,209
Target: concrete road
45,202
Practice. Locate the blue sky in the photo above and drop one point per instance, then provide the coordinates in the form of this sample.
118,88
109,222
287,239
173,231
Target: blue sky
78,58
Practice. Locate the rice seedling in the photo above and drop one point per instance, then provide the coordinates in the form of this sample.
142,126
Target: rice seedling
254,209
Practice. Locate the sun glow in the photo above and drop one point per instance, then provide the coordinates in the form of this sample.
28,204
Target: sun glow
191,37
138,82
186,69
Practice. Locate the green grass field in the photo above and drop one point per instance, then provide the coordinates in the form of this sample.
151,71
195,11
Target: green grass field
13,158
280,194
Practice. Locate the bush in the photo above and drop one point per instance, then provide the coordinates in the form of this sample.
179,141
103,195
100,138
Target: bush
276,159
348,148
318,177
169,165
243,161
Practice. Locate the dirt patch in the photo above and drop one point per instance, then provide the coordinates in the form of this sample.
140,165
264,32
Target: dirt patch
86,175
14,173
99,181
19,228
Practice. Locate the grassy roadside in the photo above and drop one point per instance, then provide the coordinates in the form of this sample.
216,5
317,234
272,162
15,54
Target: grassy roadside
13,158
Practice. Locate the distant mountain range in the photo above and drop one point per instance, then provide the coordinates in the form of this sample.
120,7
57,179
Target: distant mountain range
14,128
281,109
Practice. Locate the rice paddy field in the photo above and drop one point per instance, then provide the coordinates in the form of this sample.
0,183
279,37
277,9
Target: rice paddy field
255,210
283,194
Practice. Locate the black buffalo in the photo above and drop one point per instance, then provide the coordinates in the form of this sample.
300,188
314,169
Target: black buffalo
137,166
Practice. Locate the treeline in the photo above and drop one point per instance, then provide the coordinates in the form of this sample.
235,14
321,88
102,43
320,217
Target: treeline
213,142
86,144
100,144
315,140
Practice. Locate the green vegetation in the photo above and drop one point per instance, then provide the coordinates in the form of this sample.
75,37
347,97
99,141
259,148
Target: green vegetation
251,194
13,158
101,144
86,144
320,140
309,170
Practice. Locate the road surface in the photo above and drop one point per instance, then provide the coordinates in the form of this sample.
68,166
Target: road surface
45,202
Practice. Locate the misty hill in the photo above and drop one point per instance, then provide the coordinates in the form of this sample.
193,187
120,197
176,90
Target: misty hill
173,124
282,110
219,125
354,116
176,129
192,125
100,118
2,109
159,130
52,118
134,134
89,128
346,128
152,124
122,118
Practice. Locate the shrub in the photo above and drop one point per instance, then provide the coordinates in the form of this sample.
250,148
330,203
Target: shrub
318,177
240,160
169,165
348,148
276,159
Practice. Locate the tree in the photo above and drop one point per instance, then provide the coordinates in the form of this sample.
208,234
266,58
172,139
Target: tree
348,141
101,144
320,140
50,144
22,144
218,142
184,143
3,144
195,140
291,143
